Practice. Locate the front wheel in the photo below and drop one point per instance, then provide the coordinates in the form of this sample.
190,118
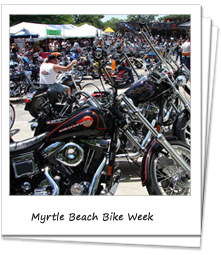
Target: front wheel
167,178
11,115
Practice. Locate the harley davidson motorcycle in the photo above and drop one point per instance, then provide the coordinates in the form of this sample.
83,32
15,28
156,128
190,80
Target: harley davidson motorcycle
76,155
39,96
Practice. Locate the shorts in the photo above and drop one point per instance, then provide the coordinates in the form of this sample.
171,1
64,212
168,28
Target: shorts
58,87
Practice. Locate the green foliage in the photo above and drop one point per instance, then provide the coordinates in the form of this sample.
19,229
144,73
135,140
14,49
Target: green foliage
112,23
93,20
42,19
137,17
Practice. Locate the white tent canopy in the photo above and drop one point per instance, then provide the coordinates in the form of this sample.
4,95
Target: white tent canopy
87,31
57,31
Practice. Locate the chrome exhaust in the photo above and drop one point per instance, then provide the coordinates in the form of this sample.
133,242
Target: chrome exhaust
52,182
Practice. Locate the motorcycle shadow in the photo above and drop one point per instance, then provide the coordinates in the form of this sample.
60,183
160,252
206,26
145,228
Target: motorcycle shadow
130,171
130,182
14,132
17,100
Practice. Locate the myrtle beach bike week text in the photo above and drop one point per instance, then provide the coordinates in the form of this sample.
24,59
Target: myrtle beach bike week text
91,217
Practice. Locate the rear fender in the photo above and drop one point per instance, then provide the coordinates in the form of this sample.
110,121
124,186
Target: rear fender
31,95
145,165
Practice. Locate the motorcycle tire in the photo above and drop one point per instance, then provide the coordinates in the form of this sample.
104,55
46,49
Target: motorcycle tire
35,106
166,177
11,115
77,76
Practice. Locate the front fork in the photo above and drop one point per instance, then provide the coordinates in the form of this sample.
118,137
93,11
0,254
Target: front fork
160,137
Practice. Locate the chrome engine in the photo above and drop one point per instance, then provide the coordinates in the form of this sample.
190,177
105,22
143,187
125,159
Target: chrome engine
82,163
70,154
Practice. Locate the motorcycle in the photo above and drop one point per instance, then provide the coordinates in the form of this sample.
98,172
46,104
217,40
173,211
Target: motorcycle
20,80
77,153
35,99
176,109
119,76
87,66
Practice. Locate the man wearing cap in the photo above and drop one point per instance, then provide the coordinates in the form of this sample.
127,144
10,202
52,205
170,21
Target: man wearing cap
48,72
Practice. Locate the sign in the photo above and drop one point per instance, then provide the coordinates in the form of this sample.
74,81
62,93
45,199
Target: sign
53,32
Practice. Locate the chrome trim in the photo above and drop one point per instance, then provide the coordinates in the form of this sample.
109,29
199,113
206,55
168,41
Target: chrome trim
96,178
52,182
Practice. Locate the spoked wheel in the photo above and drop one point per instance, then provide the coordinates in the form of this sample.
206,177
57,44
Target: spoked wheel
76,76
11,115
167,177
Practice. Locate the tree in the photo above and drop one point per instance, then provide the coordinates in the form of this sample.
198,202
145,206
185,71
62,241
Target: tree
43,19
112,23
93,20
138,17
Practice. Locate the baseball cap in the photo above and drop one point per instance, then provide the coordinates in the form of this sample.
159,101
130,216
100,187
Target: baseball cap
52,56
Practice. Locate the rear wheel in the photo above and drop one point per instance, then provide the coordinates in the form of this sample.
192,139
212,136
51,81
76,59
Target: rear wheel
168,178
36,106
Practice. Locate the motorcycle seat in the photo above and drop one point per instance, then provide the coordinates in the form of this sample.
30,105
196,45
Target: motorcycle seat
27,145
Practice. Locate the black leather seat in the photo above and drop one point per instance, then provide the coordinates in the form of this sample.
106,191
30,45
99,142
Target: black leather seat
30,144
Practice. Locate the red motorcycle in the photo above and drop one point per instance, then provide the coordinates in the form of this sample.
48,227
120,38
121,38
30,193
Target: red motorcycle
119,76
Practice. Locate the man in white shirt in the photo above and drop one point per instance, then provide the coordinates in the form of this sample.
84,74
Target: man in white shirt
48,72
185,49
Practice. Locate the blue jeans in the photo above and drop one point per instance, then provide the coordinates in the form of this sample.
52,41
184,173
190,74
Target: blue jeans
186,61
58,87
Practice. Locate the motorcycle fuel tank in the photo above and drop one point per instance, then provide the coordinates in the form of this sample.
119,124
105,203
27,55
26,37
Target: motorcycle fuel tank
88,122
143,91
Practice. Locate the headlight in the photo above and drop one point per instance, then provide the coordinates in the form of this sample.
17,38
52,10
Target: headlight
181,80
98,53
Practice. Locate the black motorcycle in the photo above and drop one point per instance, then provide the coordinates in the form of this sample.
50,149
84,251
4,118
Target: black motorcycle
77,155
20,80
35,99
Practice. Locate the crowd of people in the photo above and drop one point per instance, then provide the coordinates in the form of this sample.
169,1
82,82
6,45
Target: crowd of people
181,46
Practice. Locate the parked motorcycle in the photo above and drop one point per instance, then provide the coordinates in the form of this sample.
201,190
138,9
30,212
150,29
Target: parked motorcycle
175,76
20,80
35,99
77,153
87,66
119,76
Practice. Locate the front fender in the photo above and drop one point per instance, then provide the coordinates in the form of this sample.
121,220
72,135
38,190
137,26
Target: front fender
145,165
